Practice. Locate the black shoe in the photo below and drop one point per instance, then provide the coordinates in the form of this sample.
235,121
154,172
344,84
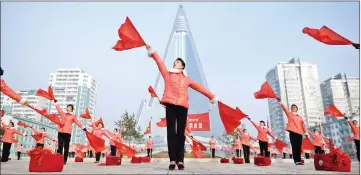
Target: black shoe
180,166
171,167
64,163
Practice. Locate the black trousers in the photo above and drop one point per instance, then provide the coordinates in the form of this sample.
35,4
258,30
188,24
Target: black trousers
307,155
113,150
318,150
40,145
63,144
290,155
176,117
97,156
263,146
6,151
296,143
213,152
284,155
357,144
149,152
91,154
19,155
238,152
246,150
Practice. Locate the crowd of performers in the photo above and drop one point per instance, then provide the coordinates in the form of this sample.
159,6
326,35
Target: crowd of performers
175,100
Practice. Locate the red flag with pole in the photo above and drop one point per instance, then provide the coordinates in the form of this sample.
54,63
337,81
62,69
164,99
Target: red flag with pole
266,91
20,123
333,111
328,36
307,144
97,143
86,115
123,148
148,129
162,123
48,95
129,37
37,137
230,117
280,145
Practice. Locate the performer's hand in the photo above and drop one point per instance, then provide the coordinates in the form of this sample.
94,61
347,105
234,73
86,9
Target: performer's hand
84,129
346,118
26,103
148,47
214,100
278,99
55,101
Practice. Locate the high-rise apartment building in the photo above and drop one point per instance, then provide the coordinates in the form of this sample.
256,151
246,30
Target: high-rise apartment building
74,86
343,92
295,82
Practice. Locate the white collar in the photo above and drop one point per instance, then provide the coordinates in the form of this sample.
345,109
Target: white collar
178,71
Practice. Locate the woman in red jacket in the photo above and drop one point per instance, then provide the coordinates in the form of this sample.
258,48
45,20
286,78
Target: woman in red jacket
356,133
8,139
295,127
99,131
175,98
246,143
116,137
262,138
317,141
43,135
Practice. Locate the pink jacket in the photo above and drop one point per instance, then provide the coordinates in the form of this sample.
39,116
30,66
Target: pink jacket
41,141
262,132
9,133
212,143
245,137
115,137
149,144
177,84
67,119
99,132
295,122
20,148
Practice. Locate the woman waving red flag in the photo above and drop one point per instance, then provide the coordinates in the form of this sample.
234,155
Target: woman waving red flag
43,134
7,139
99,131
116,137
262,138
296,127
246,143
175,98
317,141
356,133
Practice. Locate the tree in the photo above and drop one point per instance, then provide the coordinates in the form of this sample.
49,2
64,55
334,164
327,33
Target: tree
228,141
130,131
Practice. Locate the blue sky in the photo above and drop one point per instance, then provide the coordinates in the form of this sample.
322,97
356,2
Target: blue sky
237,44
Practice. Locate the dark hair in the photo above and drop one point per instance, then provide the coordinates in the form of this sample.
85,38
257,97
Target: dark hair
116,129
293,105
150,136
12,123
354,121
244,130
262,122
43,128
72,107
21,144
314,130
182,61
1,71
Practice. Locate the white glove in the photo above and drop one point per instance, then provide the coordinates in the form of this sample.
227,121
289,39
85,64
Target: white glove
151,51
214,100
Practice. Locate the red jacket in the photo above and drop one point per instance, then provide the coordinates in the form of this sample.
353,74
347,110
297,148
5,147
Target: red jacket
317,139
115,137
355,130
99,132
295,122
262,132
212,143
41,141
177,84
245,137
8,136
67,119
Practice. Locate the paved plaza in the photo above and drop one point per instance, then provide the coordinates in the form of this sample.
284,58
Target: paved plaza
193,166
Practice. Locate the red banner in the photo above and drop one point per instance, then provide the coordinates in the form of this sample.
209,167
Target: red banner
199,122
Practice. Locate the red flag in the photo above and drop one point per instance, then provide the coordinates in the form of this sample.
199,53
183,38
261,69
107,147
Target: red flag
195,150
20,123
307,144
198,145
9,92
329,37
86,115
333,111
100,120
229,116
148,130
349,138
37,137
48,95
243,115
199,122
14,141
152,92
129,37
123,148
2,113
97,143
331,145
55,119
266,91
162,123
80,150
280,145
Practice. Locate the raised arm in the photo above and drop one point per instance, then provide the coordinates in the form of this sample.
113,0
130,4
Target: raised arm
47,136
161,66
3,125
107,134
270,134
60,111
76,121
311,133
198,87
18,132
255,125
288,114
253,138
